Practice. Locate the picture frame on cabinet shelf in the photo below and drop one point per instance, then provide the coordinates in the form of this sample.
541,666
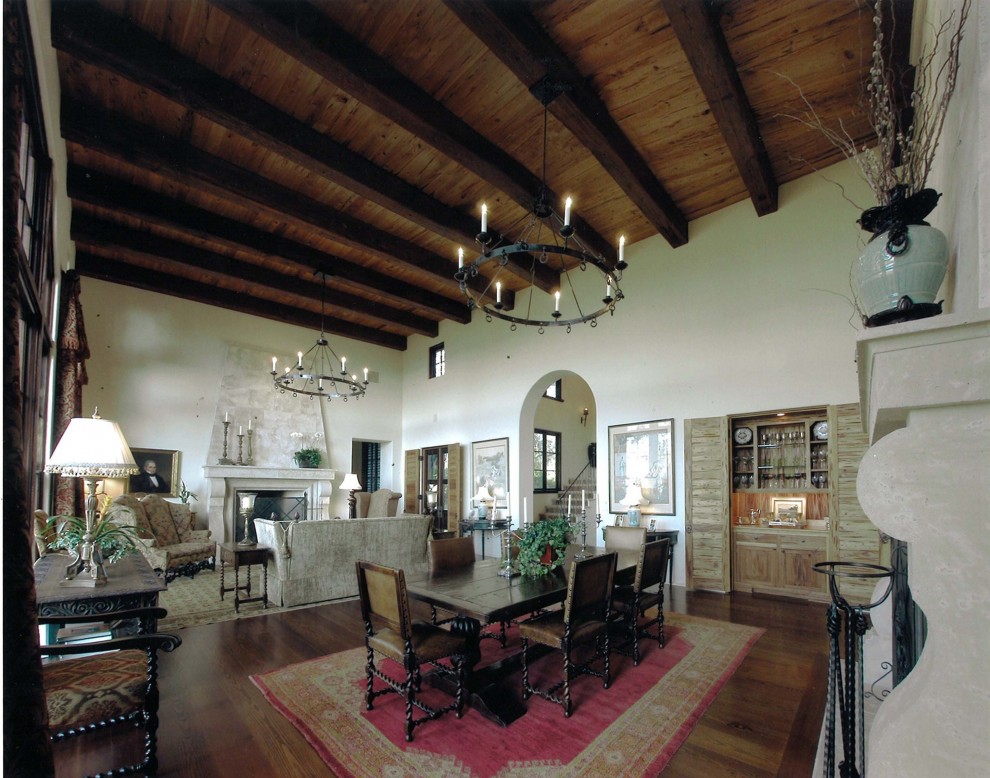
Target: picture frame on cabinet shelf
642,455
166,472
788,508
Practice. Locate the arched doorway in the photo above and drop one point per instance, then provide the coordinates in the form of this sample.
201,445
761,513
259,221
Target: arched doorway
572,416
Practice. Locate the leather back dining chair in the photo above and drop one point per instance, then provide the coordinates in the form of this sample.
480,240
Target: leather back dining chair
624,538
630,603
583,619
390,632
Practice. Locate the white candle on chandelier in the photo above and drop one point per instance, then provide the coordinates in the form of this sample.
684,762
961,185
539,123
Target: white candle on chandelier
299,354
622,247
608,286
320,384
366,375
460,258
556,300
240,430
567,212
498,291
274,362
484,218
249,425
343,364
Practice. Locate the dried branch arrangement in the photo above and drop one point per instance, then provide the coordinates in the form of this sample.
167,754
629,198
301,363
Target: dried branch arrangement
914,146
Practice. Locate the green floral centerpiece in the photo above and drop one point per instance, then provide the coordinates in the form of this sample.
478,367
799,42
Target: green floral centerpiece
542,546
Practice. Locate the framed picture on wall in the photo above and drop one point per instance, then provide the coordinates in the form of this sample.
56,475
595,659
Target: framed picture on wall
159,474
641,467
490,468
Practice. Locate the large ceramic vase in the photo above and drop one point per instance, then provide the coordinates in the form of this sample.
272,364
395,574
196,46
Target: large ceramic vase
899,273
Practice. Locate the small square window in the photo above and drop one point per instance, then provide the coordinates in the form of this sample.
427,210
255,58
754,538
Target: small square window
438,360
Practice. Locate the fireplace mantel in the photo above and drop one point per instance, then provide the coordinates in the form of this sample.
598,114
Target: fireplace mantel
222,482
925,398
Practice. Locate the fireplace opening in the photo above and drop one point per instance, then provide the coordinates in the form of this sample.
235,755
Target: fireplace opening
268,504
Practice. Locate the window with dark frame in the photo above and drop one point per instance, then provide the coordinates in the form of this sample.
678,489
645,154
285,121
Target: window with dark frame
546,461
438,360
554,391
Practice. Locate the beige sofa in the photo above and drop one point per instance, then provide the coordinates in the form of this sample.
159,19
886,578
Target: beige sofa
314,560
170,544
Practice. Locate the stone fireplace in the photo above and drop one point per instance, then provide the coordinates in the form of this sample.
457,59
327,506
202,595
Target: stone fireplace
311,486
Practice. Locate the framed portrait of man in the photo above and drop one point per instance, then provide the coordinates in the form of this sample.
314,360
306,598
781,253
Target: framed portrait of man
159,472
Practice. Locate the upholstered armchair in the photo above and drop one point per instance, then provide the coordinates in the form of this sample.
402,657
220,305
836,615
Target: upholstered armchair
170,543
378,504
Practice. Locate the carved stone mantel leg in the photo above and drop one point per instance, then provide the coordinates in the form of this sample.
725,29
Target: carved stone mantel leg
925,394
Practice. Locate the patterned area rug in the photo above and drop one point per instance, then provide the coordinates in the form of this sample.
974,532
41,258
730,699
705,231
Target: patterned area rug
632,728
194,601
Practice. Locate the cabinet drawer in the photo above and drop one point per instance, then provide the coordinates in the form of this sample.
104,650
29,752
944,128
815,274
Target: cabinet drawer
803,542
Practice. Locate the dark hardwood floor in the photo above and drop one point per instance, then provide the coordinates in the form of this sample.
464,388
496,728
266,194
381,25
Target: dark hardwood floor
214,722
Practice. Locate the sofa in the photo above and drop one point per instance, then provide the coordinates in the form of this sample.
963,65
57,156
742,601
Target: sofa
314,560
169,542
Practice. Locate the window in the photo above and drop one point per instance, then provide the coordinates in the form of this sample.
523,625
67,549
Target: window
438,360
554,391
546,461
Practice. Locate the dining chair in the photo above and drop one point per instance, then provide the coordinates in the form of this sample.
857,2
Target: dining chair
391,633
630,603
115,683
452,554
624,538
582,620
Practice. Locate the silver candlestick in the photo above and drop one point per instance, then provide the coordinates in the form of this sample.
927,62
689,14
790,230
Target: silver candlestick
505,566
225,460
250,456
583,553
240,448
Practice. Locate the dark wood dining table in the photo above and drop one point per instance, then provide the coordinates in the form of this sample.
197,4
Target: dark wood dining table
479,595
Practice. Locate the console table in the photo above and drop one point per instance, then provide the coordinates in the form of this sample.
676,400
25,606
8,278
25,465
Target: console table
482,527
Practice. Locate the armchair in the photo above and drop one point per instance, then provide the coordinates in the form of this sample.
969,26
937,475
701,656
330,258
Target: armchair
170,543
383,502
119,685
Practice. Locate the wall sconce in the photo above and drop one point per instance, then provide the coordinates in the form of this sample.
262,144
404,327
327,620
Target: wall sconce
584,417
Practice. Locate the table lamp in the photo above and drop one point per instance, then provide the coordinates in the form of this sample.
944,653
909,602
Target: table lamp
482,498
91,449
633,499
352,485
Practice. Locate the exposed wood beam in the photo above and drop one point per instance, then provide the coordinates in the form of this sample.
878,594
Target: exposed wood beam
103,191
133,143
309,37
522,44
697,29
116,272
101,234
94,35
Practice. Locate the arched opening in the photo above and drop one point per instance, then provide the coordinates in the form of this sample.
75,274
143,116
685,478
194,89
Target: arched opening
567,423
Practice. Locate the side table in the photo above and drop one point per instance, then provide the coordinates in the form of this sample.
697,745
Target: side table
243,556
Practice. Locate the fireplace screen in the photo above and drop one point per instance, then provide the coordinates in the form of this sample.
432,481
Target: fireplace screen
275,505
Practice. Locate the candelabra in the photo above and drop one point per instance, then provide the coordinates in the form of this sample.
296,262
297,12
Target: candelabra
505,566
225,460
240,448
250,456
583,553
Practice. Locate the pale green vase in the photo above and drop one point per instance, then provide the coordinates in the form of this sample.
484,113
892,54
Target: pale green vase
892,279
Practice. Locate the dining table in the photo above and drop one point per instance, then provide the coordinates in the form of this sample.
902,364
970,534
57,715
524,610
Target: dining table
480,595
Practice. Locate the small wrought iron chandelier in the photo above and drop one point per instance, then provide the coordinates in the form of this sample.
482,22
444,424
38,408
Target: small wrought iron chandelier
314,373
548,239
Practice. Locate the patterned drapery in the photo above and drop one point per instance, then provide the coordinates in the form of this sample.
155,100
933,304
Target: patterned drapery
70,377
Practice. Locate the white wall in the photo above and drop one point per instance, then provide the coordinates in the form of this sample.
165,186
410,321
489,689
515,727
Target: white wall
157,367
748,316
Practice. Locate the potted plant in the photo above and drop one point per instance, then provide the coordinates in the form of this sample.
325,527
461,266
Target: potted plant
899,273
114,541
542,546
308,457
184,494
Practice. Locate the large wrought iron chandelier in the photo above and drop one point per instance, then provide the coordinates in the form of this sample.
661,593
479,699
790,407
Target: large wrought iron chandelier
315,372
543,238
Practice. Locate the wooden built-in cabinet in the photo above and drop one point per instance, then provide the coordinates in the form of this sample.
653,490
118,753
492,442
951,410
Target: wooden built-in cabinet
433,484
733,478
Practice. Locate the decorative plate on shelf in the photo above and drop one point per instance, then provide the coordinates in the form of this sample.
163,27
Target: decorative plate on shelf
743,435
819,430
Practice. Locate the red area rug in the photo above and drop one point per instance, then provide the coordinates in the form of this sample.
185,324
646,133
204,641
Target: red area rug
632,728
